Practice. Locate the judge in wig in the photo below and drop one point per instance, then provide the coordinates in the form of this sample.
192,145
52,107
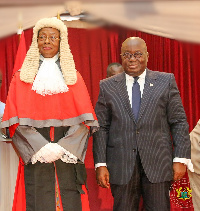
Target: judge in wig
49,114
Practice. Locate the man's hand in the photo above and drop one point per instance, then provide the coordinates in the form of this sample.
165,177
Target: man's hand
102,176
179,170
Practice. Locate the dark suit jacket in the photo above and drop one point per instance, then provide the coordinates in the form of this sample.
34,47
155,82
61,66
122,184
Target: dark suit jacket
120,137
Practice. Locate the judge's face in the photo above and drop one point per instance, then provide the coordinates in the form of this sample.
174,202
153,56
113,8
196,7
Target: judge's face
48,42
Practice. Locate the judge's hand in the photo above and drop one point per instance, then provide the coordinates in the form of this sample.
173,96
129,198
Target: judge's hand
48,153
102,176
179,170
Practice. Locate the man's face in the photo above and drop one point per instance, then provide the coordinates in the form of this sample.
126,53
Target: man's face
134,66
114,70
48,42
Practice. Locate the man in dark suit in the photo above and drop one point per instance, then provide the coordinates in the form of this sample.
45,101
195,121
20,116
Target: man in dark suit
140,112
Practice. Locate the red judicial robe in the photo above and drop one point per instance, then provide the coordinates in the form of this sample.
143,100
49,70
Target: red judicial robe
25,107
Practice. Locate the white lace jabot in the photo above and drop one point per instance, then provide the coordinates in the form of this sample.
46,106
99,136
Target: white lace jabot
49,79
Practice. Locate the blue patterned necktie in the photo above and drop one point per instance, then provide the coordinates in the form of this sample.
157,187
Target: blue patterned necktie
136,97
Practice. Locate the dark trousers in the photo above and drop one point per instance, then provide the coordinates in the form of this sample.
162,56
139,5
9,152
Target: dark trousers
40,185
155,195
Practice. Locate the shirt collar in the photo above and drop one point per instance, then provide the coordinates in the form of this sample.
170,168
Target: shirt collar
142,76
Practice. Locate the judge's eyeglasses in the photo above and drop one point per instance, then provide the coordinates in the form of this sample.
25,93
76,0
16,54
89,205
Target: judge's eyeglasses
52,38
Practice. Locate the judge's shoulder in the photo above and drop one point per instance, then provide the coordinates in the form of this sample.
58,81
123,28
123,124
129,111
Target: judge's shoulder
16,74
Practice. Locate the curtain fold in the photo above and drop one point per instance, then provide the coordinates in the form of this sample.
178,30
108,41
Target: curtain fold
93,50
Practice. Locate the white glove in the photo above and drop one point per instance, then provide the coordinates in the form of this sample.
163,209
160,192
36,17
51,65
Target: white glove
48,153
69,157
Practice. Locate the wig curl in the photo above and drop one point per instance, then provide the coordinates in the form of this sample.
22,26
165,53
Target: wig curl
31,63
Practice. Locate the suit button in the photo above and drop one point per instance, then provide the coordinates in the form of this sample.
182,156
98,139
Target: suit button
137,132
134,150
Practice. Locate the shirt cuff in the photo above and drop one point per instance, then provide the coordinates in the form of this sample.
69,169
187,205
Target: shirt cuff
185,161
100,164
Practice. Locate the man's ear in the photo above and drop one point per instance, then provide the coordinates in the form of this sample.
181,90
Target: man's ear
147,56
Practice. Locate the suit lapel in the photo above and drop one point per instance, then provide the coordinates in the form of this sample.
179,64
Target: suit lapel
150,81
122,90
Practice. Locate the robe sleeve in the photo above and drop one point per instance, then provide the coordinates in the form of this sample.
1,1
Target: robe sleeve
76,140
28,141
